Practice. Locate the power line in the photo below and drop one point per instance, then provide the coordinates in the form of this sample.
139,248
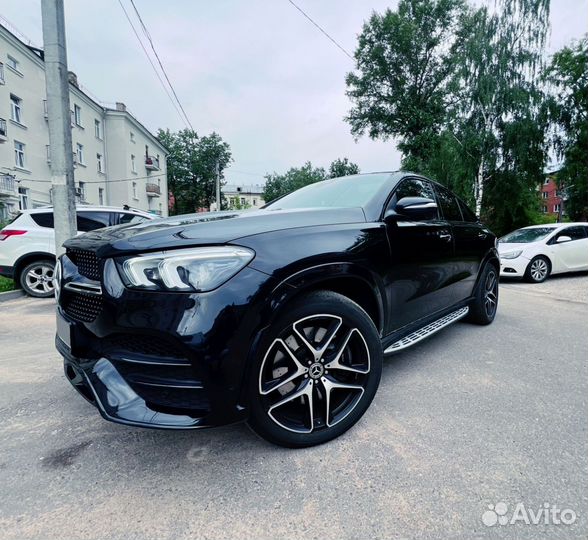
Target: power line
133,178
323,31
146,32
153,65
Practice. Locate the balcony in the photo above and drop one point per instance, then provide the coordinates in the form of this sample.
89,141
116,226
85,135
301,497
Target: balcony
152,163
153,190
3,130
7,186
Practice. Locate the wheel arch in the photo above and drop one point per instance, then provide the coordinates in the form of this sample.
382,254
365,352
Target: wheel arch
26,259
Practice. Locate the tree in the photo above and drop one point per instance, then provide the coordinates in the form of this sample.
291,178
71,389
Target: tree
405,64
191,167
466,104
342,167
277,185
568,76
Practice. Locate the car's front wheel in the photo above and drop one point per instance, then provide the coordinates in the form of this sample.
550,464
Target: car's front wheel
538,269
316,372
36,278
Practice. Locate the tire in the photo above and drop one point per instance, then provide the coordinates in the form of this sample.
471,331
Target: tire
36,278
483,308
322,354
538,269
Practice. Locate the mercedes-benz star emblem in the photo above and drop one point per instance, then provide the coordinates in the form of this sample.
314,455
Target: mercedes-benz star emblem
316,370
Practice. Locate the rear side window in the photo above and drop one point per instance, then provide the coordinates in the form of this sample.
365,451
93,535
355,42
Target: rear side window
449,204
131,218
467,214
90,221
44,219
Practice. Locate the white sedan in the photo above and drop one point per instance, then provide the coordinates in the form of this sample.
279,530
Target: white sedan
541,250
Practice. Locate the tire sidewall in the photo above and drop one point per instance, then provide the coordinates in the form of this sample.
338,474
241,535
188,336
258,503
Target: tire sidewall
313,304
23,283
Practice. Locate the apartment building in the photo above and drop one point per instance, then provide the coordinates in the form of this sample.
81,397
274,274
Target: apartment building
240,196
117,161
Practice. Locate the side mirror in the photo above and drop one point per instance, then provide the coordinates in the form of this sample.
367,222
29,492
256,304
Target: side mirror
562,239
417,208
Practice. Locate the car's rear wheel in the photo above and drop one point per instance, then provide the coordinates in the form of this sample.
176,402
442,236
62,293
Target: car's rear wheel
316,371
483,308
36,278
538,269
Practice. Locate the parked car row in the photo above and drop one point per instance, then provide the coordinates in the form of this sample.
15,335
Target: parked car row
27,243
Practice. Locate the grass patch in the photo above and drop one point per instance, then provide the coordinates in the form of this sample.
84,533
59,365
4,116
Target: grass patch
6,284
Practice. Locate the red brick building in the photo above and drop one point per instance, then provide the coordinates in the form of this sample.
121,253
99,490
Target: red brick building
551,202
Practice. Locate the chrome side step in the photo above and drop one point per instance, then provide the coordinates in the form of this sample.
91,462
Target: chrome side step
427,330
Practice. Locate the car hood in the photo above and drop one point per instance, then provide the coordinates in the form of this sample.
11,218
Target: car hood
206,228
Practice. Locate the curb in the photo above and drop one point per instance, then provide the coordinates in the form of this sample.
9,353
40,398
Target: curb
11,295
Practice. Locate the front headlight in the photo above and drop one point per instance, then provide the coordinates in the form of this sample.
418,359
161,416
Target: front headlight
511,254
195,269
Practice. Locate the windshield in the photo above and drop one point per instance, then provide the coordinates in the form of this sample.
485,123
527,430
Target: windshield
524,236
347,192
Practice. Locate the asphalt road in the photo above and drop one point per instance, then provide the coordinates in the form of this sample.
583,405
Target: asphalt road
475,416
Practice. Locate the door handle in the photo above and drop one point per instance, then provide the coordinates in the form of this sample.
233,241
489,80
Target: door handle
482,235
445,236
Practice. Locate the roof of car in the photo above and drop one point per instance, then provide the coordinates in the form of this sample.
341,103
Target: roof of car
91,208
557,225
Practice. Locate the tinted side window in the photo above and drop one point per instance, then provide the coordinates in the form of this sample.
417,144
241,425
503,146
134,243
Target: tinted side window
44,219
449,205
131,218
90,221
575,233
467,214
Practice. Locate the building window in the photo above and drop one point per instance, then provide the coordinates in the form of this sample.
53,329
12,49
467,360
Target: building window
556,207
135,190
254,202
132,137
546,181
19,154
16,109
242,200
101,196
82,191
3,129
13,63
2,80
544,209
133,164
98,129
23,198
80,153
78,115
99,163
544,194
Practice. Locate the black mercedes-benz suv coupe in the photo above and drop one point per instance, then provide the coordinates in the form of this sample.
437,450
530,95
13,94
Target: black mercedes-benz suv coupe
280,316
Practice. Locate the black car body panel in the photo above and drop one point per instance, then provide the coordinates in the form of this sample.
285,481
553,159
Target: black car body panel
180,360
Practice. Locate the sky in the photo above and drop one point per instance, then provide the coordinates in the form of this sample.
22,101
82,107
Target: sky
255,71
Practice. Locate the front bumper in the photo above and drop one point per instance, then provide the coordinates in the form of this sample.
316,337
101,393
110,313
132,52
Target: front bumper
7,271
513,267
165,360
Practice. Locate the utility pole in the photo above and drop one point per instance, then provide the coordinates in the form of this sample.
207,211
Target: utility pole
60,146
218,193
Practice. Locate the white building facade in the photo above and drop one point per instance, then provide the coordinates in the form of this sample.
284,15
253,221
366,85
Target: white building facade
117,160
242,196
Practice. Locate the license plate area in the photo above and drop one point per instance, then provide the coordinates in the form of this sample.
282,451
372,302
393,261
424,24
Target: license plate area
64,330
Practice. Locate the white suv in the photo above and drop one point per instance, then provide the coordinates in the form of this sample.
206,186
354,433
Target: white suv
27,243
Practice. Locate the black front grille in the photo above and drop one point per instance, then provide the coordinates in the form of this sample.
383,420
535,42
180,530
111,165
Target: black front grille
87,263
82,307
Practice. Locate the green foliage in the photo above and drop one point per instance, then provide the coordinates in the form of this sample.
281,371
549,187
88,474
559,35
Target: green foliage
405,64
6,284
191,167
235,203
278,185
342,167
568,105
458,86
